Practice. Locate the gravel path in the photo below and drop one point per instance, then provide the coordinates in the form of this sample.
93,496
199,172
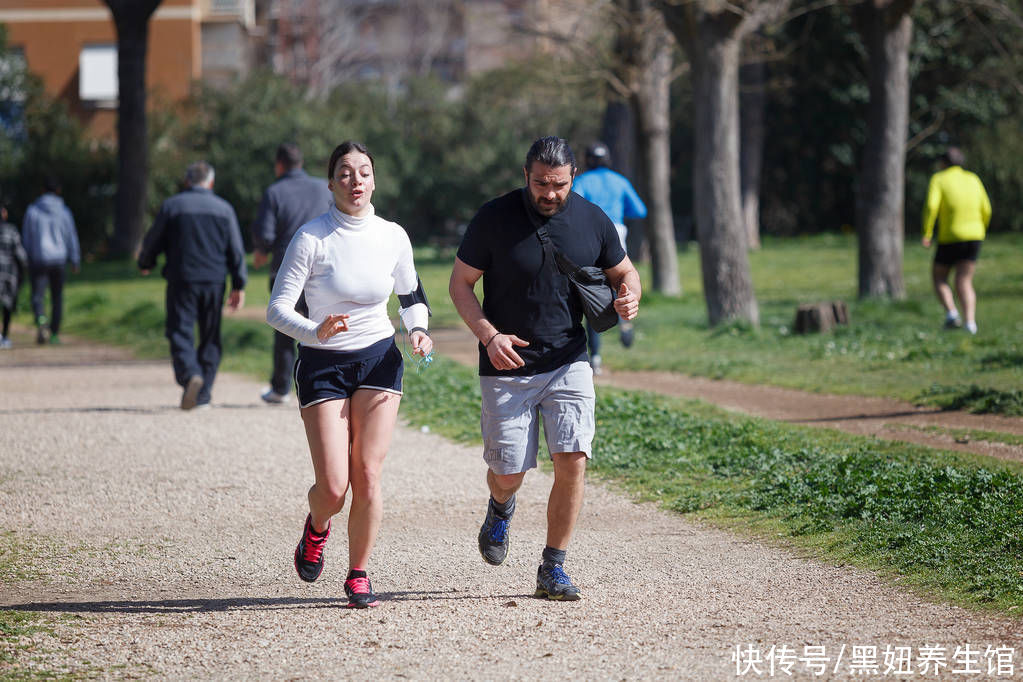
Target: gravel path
160,541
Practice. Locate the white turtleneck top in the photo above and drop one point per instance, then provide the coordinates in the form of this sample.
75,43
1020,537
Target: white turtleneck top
345,265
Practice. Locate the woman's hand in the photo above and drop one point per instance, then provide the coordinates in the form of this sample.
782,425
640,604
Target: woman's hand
334,324
422,344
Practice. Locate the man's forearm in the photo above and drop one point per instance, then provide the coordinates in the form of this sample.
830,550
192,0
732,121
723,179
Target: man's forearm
468,307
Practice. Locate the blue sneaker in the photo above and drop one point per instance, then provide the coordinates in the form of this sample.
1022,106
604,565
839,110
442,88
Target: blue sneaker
553,583
493,537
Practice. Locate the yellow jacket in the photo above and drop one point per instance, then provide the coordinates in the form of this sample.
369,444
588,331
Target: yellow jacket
956,197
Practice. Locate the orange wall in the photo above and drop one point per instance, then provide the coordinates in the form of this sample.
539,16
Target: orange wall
53,32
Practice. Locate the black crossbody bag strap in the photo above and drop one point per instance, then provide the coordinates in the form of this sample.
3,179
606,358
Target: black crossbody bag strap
560,260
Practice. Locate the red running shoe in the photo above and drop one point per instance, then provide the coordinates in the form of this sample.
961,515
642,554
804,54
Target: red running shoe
309,553
360,591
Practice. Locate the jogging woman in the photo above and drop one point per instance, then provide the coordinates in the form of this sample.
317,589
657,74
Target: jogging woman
349,370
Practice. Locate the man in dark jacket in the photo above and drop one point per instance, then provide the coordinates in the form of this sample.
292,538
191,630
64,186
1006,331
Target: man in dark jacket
288,204
51,241
198,231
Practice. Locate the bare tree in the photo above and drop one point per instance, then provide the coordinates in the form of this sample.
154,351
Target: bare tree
637,65
711,32
752,102
131,17
353,38
651,102
886,27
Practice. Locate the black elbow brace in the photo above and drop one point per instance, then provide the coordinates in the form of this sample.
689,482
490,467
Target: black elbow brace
417,296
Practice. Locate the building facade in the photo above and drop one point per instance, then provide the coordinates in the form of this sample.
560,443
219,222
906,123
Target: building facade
71,45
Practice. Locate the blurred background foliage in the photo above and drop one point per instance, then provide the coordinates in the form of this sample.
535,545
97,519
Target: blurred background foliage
442,151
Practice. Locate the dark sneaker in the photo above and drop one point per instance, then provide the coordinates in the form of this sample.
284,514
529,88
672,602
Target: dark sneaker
628,334
190,396
493,538
360,591
553,583
42,331
953,323
309,553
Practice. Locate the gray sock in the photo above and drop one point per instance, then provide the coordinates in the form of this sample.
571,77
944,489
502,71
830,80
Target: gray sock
554,556
503,510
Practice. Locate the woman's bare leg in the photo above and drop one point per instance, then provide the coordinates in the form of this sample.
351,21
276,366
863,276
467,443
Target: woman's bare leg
373,417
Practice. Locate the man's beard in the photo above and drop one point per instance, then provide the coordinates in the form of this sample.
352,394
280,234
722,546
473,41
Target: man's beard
546,209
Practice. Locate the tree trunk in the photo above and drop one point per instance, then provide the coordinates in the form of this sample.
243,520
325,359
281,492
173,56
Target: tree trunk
651,101
712,42
131,17
752,98
887,29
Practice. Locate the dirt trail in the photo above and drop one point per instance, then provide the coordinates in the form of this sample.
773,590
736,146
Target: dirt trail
160,541
879,417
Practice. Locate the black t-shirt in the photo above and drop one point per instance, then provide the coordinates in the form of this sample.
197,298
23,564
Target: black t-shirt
526,296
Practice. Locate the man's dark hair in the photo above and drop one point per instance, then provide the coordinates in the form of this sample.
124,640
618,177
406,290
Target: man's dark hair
551,151
51,184
598,155
347,147
289,156
954,156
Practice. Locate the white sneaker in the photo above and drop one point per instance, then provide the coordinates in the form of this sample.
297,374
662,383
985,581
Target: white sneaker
272,397
971,327
595,363
5,343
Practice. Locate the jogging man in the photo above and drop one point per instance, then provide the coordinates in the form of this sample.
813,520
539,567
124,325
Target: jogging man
288,204
532,346
618,199
956,198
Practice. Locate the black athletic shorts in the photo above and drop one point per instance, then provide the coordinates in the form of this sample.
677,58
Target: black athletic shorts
950,254
322,374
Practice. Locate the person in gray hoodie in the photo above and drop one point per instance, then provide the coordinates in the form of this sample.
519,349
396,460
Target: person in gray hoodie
51,242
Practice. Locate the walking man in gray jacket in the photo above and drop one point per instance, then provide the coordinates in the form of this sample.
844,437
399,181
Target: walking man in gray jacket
51,242
198,231
288,204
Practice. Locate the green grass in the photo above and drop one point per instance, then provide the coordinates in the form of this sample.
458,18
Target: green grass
950,524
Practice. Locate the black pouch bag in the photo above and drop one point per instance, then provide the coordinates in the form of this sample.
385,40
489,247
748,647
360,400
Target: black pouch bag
588,282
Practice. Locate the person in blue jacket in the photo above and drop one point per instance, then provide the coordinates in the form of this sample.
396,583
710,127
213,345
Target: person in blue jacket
51,241
618,199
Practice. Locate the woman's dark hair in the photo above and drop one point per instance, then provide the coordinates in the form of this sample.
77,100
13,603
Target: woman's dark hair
347,147
551,151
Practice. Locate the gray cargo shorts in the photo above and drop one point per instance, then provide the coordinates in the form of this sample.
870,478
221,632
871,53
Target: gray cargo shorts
513,407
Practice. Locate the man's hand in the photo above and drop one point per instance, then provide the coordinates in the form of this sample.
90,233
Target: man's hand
626,305
422,344
333,325
259,258
501,351
926,242
236,300
145,272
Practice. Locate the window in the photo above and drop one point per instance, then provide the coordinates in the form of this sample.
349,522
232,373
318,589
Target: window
97,69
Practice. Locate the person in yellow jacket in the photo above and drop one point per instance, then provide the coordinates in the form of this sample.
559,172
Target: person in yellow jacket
956,198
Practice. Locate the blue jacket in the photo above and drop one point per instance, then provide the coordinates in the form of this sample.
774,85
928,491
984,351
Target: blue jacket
48,233
612,192
288,204
199,233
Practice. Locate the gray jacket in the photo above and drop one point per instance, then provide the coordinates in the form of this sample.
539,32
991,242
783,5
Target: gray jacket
48,233
288,204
